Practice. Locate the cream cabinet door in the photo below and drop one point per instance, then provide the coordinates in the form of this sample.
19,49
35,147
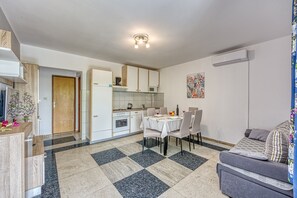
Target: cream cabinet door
132,78
153,78
143,80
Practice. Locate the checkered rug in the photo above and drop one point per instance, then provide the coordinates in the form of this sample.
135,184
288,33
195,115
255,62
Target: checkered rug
146,174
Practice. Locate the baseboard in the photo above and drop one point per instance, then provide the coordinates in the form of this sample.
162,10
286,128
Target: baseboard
218,141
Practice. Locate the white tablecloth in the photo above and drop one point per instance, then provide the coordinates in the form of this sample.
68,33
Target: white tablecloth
164,124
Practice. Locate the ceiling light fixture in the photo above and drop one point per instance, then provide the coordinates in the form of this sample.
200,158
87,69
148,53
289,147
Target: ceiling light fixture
141,39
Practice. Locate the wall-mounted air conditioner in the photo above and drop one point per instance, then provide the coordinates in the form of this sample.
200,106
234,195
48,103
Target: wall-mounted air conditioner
229,58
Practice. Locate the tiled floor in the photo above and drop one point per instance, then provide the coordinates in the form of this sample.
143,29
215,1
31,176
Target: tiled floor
118,168
61,140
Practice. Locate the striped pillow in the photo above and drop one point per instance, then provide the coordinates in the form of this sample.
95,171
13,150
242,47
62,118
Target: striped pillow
277,143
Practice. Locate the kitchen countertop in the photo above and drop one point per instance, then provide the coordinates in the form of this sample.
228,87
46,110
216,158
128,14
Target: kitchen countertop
133,109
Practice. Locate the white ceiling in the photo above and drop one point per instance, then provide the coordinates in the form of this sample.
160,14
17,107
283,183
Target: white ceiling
180,30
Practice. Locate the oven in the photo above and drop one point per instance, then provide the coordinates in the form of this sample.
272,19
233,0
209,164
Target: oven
121,123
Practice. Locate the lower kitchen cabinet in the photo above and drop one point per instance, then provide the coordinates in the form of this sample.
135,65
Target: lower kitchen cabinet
135,121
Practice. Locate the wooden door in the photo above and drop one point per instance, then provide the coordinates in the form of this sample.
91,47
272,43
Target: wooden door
63,104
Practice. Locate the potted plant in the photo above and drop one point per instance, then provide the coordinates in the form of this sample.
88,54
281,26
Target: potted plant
14,106
27,106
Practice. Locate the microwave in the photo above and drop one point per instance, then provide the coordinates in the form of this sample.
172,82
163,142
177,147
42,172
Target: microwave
153,89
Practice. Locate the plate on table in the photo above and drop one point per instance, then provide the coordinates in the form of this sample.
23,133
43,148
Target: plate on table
158,115
174,117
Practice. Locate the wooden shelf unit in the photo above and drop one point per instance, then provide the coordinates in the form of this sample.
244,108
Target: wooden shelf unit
21,161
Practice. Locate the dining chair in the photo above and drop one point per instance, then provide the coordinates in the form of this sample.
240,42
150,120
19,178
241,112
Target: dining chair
193,109
196,129
163,110
184,130
150,133
151,111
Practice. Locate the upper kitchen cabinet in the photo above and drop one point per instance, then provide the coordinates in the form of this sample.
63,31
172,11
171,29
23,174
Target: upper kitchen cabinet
153,78
13,71
143,80
130,77
9,47
10,66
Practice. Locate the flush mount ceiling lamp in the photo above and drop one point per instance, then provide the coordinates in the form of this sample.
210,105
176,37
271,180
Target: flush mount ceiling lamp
141,39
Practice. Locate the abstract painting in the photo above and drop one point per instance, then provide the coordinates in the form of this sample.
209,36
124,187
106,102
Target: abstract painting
196,85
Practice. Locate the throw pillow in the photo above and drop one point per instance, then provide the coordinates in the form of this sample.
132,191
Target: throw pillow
277,143
259,134
247,132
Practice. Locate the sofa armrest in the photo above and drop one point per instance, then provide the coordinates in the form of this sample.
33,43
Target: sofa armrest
278,171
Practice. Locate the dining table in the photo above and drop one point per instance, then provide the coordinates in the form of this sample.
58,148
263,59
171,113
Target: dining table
164,124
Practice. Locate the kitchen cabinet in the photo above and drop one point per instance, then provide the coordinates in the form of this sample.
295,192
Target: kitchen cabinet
22,163
135,121
9,46
153,78
34,166
143,80
100,107
12,70
130,77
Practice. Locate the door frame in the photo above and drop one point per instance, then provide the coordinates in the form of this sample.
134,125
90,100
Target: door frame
79,103
74,116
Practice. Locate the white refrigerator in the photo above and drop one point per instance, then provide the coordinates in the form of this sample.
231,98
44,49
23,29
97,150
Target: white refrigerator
100,105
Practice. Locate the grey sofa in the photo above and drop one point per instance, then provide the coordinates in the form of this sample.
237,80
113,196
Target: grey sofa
245,177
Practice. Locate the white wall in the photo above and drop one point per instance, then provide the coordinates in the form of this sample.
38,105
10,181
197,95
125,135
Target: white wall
227,102
45,96
270,83
60,60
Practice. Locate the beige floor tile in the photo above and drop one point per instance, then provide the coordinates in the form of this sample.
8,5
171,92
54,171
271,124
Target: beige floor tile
204,152
209,166
130,149
120,142
106,192
120,169
196,187
95,148
171,194
71,154
171,150
169,171
68,167
137,137
83,184
216,157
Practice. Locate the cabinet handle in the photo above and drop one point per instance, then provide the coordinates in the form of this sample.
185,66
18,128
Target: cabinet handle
95,116
95,83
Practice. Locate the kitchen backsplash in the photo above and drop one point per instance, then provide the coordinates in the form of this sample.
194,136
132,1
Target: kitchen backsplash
121,99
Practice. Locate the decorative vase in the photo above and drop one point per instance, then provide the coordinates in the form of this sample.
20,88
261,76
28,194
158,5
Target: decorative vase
26,118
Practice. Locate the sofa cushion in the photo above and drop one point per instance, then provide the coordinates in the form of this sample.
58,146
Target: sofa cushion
259,134
273,170
277,143
250,148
